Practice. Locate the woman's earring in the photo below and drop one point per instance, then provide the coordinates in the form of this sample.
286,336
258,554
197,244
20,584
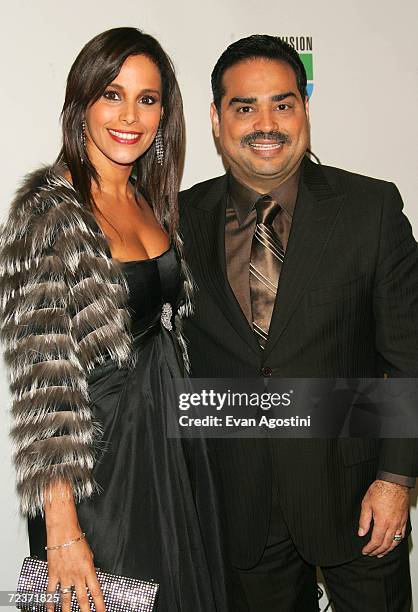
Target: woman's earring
83,140
159,147
83,133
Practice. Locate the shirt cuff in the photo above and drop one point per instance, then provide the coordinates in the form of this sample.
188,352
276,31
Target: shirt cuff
406,481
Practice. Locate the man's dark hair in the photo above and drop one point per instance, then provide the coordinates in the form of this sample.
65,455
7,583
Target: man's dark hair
257,45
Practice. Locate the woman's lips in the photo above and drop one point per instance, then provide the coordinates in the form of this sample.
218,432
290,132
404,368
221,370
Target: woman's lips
125,137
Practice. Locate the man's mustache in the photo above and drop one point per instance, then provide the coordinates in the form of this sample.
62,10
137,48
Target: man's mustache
279,137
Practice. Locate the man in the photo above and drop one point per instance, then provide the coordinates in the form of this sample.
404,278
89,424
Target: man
344,260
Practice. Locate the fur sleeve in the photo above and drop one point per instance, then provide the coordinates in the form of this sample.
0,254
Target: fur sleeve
52,428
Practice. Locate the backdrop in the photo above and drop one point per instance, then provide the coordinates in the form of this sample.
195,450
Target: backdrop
362,63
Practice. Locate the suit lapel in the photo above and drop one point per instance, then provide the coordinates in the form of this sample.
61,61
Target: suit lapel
210,251
313,221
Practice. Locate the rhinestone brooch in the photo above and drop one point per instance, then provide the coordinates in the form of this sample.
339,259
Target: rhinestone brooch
166,314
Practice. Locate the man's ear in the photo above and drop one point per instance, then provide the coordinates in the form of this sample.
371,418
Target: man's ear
307,106
214,117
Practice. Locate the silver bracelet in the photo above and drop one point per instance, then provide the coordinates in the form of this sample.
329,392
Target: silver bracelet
83,535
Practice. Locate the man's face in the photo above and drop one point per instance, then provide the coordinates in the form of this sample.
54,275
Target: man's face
263,125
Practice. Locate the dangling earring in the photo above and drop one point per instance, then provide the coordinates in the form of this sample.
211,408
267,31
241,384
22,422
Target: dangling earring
159,147
83,139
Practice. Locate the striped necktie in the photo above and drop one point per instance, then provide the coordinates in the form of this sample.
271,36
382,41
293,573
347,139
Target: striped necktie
267,256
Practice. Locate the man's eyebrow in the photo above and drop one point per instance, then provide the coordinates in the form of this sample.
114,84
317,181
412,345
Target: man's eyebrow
238,100
283,96
275,98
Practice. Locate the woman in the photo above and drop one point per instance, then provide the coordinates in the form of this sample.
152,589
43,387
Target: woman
91,284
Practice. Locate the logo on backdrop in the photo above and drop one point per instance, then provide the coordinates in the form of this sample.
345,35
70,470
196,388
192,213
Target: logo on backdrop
303,45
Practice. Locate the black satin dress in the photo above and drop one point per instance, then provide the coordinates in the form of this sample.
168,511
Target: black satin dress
156,516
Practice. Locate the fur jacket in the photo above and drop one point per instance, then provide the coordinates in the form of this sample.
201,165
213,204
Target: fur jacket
63,311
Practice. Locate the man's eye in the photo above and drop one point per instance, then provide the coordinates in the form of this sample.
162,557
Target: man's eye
245,109
283,107
110,94
148,100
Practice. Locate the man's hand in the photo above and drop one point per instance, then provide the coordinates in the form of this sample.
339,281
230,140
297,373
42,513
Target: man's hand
388,505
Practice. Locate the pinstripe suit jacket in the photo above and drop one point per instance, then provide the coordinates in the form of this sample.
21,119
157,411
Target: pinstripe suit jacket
347,306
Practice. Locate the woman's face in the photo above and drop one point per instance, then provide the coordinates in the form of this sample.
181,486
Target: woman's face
122,124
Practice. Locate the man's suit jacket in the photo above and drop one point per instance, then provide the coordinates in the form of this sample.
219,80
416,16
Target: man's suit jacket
347,306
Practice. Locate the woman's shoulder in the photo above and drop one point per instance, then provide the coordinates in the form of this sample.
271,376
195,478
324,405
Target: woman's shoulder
44,196
41,188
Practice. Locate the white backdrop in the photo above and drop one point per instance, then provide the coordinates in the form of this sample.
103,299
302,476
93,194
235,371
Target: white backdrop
363,109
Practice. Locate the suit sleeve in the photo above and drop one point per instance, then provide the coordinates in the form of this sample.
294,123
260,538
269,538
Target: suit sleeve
52,428
395,303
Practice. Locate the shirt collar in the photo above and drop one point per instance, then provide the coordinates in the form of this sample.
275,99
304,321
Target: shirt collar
243,198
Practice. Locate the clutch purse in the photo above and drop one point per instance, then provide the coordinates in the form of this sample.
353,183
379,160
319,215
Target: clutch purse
120,594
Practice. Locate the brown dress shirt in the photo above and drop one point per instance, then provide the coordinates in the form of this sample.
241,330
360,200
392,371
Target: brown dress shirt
240,225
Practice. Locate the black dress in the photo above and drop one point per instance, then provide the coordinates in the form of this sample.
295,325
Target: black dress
156,516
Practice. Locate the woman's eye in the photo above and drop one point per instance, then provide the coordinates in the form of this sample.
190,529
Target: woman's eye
110,94
148,100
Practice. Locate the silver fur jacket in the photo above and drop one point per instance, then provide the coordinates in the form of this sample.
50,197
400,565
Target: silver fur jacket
63,311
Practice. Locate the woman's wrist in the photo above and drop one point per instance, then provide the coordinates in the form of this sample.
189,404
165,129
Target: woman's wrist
60,510
66,544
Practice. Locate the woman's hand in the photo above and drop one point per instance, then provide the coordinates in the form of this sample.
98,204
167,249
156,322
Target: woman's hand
71,566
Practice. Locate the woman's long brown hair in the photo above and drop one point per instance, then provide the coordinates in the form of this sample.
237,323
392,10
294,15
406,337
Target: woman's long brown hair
96,66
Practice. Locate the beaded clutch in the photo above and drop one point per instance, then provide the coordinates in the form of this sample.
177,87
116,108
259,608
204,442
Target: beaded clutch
120,594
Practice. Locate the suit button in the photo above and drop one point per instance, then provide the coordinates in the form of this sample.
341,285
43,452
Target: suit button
266,371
